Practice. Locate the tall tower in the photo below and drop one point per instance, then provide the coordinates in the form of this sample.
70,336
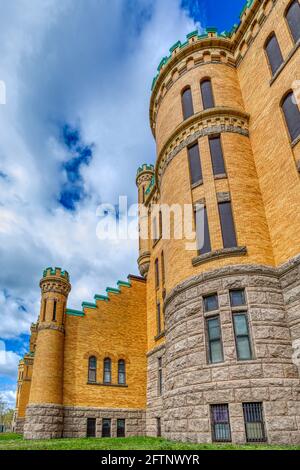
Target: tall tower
46,393
144,178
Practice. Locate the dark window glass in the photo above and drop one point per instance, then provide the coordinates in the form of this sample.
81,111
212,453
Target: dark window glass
54,310
154,230
217,155
274,53
156,273
220,423
44,310
207,94
242,338
160,224
91,427
195,164
187,103
214,339
292,115
158,319
107,371
163,268
254,422
227,225
121,372
158,427
211,303
293,19
160,377
120,427
202,231
92,376
237,298
106,427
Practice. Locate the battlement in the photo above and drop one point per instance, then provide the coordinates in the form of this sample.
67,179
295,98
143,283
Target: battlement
145,167
57,272
194,37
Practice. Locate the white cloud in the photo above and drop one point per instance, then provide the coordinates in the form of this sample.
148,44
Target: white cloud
9,398
88,63
9,361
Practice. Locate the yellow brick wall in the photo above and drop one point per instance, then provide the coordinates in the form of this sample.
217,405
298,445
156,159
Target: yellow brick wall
116,329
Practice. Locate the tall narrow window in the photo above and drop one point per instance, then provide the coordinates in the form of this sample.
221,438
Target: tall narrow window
293,19
187,103
54,310
217,157
254,422
106,427
237,298
92,375
163,274
292,115
44,310
207,94
160,224
120,427
215,348
195,164
156,273
158,427
121,372
227,225
242,337
160,377
202,231
274,53
91,427
158,318
220,423
107,371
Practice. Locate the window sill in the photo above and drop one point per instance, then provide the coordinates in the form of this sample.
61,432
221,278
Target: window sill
195,185
218,254
158,337
221,176
278,72
295,141
298,166
107,385
155,242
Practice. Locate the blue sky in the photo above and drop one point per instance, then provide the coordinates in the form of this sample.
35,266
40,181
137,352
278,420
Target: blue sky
73,132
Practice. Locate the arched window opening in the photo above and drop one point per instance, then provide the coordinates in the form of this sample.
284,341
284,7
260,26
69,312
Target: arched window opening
274,53
293,19
107,371
92,375
121,372
292,115
187,103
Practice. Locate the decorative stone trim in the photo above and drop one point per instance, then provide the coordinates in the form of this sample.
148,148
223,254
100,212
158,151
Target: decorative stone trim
217,254
223,197
101,384
158,337
51,326
59,286
211,121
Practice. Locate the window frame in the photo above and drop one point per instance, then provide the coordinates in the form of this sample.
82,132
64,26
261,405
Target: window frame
267,41
118,427
282,101
200,180
156,273
88,428
219,137
233,224
214,423
92,369
209,341
159,377
203,80
158,318
207,237
107,360
287,22
183,91
108,420
261,422
123,363
236,336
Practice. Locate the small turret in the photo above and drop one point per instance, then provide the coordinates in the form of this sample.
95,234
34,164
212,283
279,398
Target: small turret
145,176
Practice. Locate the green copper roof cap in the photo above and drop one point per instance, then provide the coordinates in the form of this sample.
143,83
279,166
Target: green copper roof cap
103,298
175,46
56,272
88,305
145,167
74,313
192,34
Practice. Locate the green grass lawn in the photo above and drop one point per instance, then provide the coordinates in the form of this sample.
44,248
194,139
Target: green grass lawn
16,442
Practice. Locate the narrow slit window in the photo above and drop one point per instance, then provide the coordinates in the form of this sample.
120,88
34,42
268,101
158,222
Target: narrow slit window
187,103
92,375
293,19
91,427
274,53
217,156
242,336
158,318
195,164
54,310
215,347
227,225
292,115
107,371
207,94
121,372
202,231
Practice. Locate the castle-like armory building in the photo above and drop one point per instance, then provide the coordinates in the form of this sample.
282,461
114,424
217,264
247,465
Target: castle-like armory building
199,348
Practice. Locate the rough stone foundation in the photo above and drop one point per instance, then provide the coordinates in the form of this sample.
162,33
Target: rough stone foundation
44,422
154,400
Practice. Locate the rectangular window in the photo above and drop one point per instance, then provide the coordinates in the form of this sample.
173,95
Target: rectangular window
217,157
211,303
227,225
207,94
187,103
91,427
158,427
44,310
158,319
195,164
254,422
120,427
202,231
220,423
242,337
160,377
237,298
156,273
215,347
106,427
54,310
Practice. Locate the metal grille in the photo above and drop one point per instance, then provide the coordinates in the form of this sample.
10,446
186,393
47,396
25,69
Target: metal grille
220,423
254,422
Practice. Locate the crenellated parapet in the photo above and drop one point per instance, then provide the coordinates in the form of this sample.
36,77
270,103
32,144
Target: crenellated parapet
55,280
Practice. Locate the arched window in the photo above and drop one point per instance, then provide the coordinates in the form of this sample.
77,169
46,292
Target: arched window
207,94
107,371
187,103
92,375
292,115
293,19
54,310
121,372
274,53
